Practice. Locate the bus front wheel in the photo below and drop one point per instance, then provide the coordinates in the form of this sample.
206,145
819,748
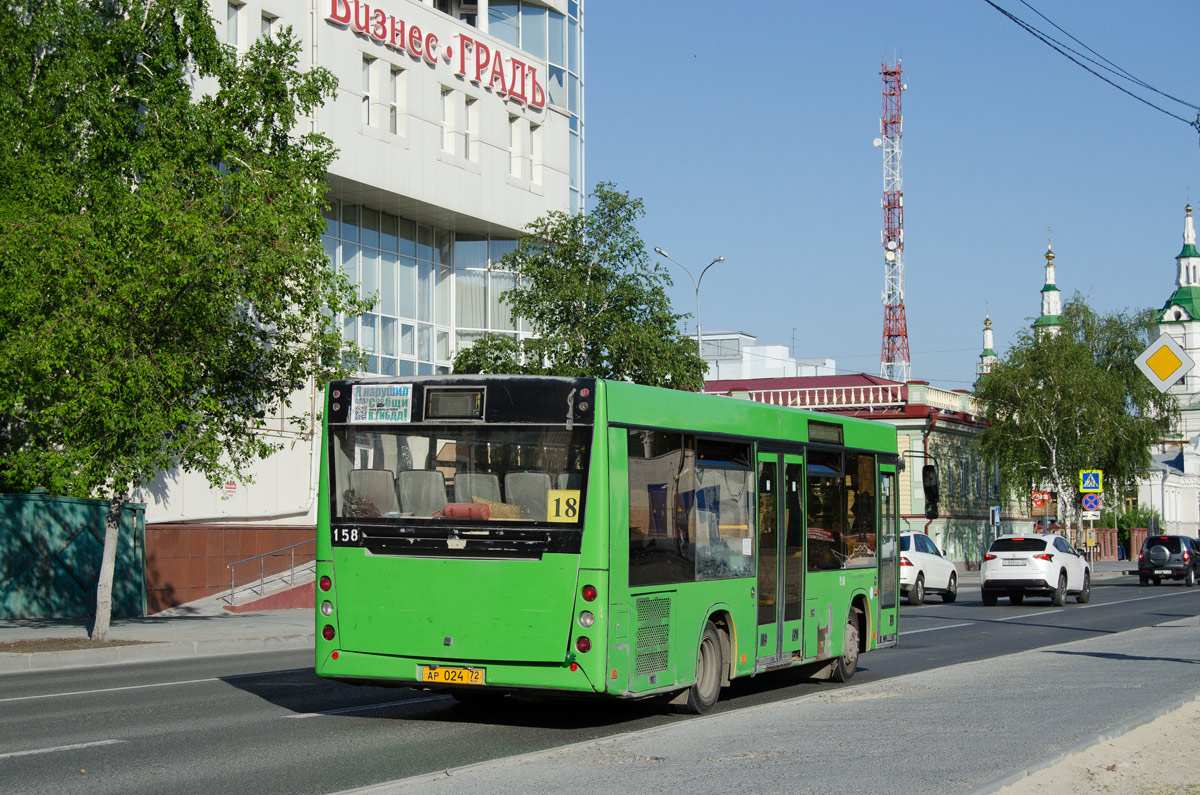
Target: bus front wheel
710,666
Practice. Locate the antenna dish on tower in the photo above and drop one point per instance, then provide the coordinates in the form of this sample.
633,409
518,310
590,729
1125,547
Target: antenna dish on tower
877,142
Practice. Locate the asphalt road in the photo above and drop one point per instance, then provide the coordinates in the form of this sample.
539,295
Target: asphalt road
264,723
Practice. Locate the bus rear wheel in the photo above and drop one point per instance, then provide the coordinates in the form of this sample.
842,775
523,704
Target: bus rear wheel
710,667
847,664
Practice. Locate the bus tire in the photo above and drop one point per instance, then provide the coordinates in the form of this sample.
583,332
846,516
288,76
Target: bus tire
847,664
710,670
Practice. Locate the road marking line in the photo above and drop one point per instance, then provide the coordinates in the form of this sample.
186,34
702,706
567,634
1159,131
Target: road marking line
59,748
935,629
364,707
143,687
1045,612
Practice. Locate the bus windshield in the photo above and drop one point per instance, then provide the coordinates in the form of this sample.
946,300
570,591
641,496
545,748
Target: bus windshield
470,473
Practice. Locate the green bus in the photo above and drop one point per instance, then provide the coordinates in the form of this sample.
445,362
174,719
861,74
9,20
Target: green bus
487,535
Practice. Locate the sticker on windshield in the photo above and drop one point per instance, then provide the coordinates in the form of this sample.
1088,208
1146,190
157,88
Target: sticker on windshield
374,403
562,505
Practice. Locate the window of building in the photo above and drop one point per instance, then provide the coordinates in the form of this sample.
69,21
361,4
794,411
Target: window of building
514,146
502,21
233,28
367,64
535,153
269,21
396,96
448,144
470,133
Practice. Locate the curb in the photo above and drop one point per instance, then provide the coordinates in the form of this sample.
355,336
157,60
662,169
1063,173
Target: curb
150,651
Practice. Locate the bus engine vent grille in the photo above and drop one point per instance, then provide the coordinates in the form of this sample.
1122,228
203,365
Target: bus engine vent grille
653,636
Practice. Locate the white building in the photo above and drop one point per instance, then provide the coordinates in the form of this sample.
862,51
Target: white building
733,355
1173,486
458,123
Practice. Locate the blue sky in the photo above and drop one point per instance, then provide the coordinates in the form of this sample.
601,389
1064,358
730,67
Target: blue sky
747,130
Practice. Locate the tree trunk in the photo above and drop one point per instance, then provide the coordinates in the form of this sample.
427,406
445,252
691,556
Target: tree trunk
112,527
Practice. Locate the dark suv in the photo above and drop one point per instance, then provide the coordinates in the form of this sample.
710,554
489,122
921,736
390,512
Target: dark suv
1170,558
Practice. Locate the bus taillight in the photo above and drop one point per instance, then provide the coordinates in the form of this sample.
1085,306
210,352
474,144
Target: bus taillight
583,644
588,593
327,632
586,619
325,582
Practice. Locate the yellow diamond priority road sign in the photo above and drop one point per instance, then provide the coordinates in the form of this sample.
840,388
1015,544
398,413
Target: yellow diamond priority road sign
1164,362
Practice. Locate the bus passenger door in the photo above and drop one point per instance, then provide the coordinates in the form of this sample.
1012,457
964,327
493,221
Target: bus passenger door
889,556
780,558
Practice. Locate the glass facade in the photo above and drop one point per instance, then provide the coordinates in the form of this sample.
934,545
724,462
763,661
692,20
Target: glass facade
558,38
433,289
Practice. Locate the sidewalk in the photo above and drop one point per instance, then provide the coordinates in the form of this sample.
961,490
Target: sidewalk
199,628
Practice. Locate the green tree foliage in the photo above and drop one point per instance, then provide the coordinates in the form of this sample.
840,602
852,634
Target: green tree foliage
162,280
1057,404
594,300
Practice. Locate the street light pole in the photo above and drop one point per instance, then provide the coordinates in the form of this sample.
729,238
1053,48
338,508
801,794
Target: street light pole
695,283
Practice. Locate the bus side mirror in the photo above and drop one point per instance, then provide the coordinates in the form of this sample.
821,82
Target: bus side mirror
929,482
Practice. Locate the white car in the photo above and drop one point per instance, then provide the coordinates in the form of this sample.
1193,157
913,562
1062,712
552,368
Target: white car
924,569
1034,565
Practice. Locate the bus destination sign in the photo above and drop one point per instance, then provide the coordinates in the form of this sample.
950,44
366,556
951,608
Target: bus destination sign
376,403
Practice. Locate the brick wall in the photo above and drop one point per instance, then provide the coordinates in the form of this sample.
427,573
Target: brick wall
186,562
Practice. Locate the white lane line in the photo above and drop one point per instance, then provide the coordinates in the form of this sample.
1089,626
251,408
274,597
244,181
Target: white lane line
1047,612
143,687
365,707
1025,615
935,629
105,690
58,748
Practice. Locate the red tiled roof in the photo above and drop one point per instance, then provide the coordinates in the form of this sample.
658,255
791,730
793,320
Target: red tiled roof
802,382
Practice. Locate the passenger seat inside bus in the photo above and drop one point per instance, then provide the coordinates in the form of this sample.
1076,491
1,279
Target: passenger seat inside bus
377,487
571,480
485,485
422,492
530,491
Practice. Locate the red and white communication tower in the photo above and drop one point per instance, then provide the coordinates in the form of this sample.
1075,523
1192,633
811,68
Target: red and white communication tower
894,363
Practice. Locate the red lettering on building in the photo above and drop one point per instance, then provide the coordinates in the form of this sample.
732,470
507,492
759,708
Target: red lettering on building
395,36
379,25
414,41
509,77
516,83
537,94
362,17
339,12
497,73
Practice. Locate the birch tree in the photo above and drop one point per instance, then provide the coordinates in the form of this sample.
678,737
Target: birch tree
1058,404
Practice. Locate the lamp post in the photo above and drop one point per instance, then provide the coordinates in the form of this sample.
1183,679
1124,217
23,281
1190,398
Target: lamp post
696,284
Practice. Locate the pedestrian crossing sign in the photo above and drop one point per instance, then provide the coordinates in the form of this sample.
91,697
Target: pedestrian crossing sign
1091,480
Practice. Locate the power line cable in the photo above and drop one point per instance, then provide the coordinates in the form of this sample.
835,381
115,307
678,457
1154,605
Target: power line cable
1062,50
1115,68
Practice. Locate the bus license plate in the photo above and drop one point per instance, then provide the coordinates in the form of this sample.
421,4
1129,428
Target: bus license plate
1014,562
445,675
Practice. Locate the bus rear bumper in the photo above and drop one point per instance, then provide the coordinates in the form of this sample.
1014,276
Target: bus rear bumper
393,671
